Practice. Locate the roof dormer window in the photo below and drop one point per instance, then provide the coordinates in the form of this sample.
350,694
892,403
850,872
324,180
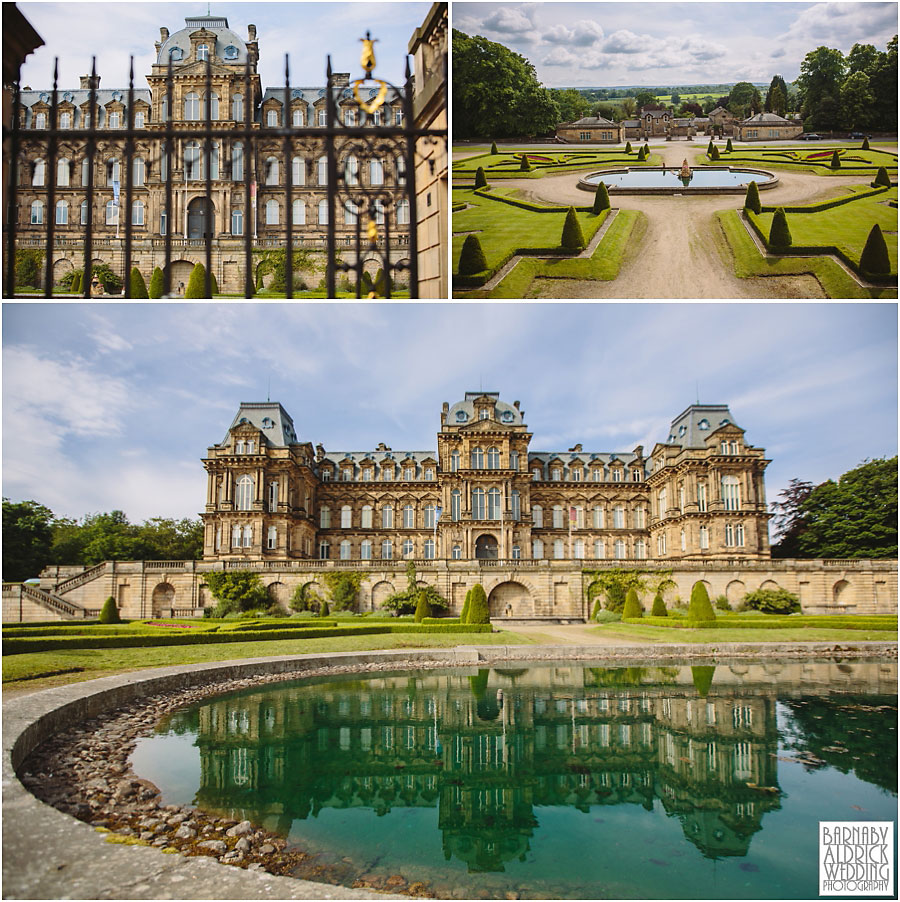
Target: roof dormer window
461,416
202,52
268,423
484,414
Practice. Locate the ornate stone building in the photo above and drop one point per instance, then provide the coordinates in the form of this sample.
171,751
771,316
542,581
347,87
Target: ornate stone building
485,494
225,215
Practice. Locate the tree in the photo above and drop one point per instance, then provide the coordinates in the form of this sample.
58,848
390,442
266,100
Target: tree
167,539
572,104
478,606
676,99
236,590
109,613
865,144
632,606
856,101
524,165
715,155
862,58
407,601
642,155
874,258
788,521
480,178
496,92
76,282
780,234
343,589
776,103
601,199
28,267
709,148
572,236
156,284
744,98
27,539
659,606
471,257
138,285
691,109
771,601
214,285
645,99
702,677
700,610
819,85
324,611
423,609
629,107
196,286
883,84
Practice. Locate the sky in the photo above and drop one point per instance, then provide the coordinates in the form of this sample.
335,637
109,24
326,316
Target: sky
637,43
307,32
112,406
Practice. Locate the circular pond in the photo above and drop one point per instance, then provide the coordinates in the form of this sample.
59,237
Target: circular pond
548,781
706,180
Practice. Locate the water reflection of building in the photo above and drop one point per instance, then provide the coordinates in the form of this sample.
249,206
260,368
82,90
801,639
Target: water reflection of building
488,753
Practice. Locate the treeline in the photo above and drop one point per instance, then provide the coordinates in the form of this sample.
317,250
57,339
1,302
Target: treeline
34,537
496,93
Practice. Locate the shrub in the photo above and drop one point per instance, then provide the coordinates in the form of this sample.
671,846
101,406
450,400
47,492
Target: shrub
875,257
835,160
772,601
615,599
324,611
700,610
709,148
156,284
196,286
109,612
525,166
467,604
471,258
214,285
646,150
628,147
572,236
751,201
702,676
722,603
28,266
596,609
715,155
494,147
728,147
882,179
366,285
478,607
112,284
642,155
608,617
382,284
780,234
236,591
423,609
138,285
632,605
865,144
601,199
480,178
76,282
659,607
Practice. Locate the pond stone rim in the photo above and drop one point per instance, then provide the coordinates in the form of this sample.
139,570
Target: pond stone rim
770,182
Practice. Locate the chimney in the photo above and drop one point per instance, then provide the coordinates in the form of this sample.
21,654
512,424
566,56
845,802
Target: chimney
164,34
86,82
341,79
251,32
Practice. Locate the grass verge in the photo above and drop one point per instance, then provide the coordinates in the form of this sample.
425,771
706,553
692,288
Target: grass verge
661,634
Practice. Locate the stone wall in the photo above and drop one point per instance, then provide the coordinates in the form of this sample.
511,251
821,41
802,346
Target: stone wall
546,589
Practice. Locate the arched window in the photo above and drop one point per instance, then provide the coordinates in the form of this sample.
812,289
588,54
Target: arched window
454,461
272,540
346,517
731,493
85,171
477,458
408,517
272,118
493,459
137,213
638,518
599,549
618,517
537,516
272,212
237,162
351,170
322,170
235,537
271,170
139,119
387,550
237,107
138,171
164,108
298,171
323,212
243,494
537,549
299,212
297,118
191,106
429,549
379,211
366,520
62,212
115,120
65,120
345,550
515,504
557,516
365,550
324,551
237,222
325,517
620,550
213,106
40,120
662,502
428,513
493,505
192,161
387,517
683,538
400,169
62,173
456,553
517,552
351,211
407,549
84,212
112,213
455,504
514,460
478,504
248,536
37,177
350,117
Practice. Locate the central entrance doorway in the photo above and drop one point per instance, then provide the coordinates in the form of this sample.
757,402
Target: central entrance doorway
199,218
486,548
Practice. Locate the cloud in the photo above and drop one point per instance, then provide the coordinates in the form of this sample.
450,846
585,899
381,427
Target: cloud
842,24
509,20
559,56
624,41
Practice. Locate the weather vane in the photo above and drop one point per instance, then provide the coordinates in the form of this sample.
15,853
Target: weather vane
367,61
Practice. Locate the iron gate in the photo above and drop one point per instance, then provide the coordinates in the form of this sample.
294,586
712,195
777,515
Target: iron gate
379,212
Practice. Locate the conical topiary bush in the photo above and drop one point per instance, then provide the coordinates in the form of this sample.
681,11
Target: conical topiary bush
214,287
494,147
780,234
835,160
601,199
865,144
478,606
728,147
642,155
138,285
882,179
715,155
480,178
423,609
572,236
76,283
751,201
525,166
156,284
628,147
709,148
471,258
109,613
875,258
659,606
464,614
700,610
196,286
646,150
596,609
632,605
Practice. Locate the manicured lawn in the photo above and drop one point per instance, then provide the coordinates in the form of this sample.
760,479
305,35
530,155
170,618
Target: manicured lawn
91,663
504,229
854,162
748,262
718,637
846,226
506,165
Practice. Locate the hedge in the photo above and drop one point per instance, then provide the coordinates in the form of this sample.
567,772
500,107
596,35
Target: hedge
825,205
769,623
15,646
525,205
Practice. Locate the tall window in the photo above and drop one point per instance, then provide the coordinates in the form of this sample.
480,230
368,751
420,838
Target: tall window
84,212
638,518
379,211
62,212
351,170
237,222
429,549
346,517
599,549
662,502
403,211
321,118
272,212
323,551
345,550
191,106
640,549
164,108
325,517
455,504
272,539
366,521
299,215
235,537
515,504
407,549
493,504
273,497
271,170
596,474
578,549
454,461
365,550
661,544
65,120
683,539
557,516
213,106
248,536
477,458
429,516
202,52
400,165
192,161
298,171
322,170
62,173
387,550
40,120
112,172
597,517
351,211
387,517
376,172
559,549
408,517
85,171
514,460
555,474
138,171
704,538
537,516
537,549
323,212
297,118
272,118
517,552
731,493
115,120
493,459
618,517
237,107
620,550
701,497
137,213
243,496
163,166
112,213
477,504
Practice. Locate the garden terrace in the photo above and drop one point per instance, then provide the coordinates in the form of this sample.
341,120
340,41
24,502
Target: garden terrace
508,165
854,162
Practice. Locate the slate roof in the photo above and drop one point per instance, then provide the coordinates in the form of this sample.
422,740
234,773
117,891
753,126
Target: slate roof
225,38
720,110
269,416
691,427
767,119
311,95
463,412
586,458
79,96
591,122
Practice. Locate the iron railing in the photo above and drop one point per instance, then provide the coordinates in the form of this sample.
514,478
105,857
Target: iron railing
364,141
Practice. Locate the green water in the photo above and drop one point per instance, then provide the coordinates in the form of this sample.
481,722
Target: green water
554,781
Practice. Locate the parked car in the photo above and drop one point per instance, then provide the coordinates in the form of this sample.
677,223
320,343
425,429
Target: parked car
857,135
809,136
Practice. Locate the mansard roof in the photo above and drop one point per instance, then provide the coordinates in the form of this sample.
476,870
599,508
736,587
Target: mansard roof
79,96
586,458
357,458
463,412
271,418
692,426
315,94
224,38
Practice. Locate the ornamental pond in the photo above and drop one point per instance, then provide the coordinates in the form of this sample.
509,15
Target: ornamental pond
550,780
671,181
